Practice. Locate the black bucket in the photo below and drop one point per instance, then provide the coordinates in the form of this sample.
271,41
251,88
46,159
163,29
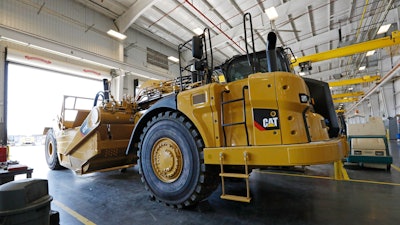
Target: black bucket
25,202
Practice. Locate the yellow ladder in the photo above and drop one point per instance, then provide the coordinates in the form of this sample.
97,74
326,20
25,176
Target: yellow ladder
245,176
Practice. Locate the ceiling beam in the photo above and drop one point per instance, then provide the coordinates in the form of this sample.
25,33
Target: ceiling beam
165,31
203,24
358,80
173,20
311,18
348,94
345,100
223,20
394,39
132,14
290,7
286,8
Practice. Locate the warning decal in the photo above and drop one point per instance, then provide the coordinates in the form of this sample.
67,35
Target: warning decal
266,119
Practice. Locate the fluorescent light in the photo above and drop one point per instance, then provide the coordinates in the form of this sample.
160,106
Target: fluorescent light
173,59
369,53
198,31
14,41
116,34
271,13
362,68
383,29
302,73
350,88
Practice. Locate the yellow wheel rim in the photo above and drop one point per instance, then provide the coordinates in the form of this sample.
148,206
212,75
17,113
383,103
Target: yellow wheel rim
50,148
166,160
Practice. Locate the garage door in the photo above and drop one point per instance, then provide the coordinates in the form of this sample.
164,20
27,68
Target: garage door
35,94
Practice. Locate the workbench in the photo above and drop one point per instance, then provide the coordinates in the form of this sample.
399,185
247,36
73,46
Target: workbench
8,175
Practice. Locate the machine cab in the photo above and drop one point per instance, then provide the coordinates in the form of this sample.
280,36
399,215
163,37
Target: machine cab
238,67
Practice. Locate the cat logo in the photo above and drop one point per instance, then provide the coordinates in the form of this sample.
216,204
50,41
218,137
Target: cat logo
266,119
270,122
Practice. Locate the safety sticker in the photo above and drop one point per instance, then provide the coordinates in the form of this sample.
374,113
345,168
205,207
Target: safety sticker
266,119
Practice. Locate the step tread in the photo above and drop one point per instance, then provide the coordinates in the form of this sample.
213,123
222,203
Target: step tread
236,198
235,175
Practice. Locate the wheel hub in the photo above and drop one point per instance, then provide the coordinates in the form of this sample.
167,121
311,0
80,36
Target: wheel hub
50,149
166,160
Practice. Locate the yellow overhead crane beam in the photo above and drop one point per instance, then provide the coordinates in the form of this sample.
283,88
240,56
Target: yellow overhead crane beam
345,100
348,94
357,80
340,111
394,39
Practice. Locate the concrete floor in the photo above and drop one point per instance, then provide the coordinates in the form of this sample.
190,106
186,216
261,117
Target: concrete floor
310,196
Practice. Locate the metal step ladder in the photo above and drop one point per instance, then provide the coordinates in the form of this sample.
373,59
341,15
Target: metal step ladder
244,175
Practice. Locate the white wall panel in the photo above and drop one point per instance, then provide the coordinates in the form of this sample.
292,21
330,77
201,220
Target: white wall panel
3,131
397,95
74,29
389,99
137,54
62,21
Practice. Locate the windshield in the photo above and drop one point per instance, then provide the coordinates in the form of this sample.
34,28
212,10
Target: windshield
238,68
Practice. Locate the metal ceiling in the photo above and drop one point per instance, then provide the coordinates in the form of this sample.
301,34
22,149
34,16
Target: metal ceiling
307,26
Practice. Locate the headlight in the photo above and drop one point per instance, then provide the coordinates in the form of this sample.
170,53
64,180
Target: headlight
304,98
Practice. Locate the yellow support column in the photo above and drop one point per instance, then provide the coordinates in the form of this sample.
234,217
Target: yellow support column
340,171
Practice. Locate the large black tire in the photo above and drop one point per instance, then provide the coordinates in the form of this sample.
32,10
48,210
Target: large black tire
51,151
171,161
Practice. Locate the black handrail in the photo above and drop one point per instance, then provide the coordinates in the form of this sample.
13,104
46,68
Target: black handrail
252,62
223,124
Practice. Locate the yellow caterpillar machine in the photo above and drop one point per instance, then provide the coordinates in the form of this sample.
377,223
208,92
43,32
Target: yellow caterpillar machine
189,134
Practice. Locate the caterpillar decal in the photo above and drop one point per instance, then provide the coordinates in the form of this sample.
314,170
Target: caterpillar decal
266,119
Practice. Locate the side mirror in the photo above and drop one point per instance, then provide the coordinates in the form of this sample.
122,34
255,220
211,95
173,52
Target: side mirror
135,85
197,47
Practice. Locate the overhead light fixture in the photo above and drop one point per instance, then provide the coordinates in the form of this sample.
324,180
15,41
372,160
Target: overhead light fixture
383,29
369,53
362,68
198,31
14,41
302,73
173,59
350,88
116,34
271,13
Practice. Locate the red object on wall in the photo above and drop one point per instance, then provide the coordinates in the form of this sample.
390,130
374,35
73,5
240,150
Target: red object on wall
38,59
91,71
3,154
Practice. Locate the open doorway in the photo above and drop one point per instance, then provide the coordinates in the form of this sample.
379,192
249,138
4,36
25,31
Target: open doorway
34,100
